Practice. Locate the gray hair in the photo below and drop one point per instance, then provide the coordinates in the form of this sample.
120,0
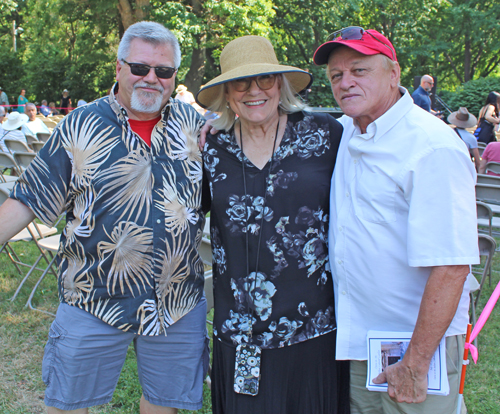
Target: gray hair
149,32
289,103
30,104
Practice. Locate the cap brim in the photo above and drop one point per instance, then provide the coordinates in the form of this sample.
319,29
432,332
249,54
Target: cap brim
298,78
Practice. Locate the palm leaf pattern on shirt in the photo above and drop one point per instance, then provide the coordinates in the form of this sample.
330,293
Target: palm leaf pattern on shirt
75,279
131,182
129,247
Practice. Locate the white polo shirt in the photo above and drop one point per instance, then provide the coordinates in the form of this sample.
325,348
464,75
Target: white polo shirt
402,200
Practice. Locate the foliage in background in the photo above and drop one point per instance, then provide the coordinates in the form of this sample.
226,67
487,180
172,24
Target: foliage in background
72,43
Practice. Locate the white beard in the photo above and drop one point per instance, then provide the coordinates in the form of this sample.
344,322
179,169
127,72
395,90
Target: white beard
146,102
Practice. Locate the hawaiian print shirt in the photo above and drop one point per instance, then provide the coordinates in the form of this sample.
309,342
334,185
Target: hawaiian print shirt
289,297
134,219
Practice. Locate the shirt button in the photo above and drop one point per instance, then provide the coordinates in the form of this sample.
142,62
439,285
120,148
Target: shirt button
158,221
355,161
344,292
347,193
339,261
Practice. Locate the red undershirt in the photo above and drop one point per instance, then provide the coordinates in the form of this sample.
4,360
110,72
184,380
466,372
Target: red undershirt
144,128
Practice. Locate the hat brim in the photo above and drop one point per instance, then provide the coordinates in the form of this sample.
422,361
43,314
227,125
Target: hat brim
23,118
298,78
452,119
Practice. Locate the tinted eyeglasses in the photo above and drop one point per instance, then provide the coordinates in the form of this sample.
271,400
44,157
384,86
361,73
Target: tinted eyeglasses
355,33
264,82
140,69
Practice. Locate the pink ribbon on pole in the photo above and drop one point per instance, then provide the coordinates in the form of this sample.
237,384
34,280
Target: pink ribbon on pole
485,314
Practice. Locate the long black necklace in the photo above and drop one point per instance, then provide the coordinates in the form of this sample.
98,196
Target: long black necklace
247,365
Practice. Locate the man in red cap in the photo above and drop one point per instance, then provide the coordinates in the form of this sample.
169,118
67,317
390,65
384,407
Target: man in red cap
402,229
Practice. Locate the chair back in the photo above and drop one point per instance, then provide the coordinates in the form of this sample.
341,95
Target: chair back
487,247
488,179
493,167
481,144
30,139
7,161
42,136
23,159
14,145
488,193
37,146
49,123
480,150
4,195
484,212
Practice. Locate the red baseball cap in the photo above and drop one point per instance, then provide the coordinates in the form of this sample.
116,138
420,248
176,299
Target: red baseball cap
366,42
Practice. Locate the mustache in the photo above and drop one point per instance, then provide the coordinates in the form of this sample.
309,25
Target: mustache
158,88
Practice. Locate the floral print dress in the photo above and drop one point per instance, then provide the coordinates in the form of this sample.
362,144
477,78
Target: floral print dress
289,298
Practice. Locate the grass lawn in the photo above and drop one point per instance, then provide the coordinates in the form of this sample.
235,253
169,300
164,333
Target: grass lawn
23,334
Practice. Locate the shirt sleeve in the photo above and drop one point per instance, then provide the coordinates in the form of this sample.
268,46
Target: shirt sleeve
44,186
442,223
486,153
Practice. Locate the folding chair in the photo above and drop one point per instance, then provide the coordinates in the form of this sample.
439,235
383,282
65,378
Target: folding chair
49,123
37,146
493,167
488,179
7,162
32,232
15,146
481,144
42,136
487,246
484,215
30,140
50,244
23,159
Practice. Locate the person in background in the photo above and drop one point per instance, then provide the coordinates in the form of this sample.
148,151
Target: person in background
183,95
490,154
53,109
81,102
488,119
2,132
34,124
4,100
127,172
273,291
463,119
44,109
65,102
421,96
13,129
22,101
403,227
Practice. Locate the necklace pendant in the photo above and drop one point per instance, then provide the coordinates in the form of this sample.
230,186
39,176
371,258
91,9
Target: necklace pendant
247,369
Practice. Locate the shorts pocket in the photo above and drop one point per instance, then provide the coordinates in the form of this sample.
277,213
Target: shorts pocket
56,334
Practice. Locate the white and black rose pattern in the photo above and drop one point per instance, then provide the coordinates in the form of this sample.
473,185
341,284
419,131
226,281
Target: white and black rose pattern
277,291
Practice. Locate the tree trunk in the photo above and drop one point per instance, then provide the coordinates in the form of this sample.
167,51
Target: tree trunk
467,59
126,13
194,77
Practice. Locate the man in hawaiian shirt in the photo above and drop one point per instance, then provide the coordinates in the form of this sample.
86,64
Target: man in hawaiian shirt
127,172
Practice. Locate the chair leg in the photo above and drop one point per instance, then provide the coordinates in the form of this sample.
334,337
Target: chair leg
29,302
25,278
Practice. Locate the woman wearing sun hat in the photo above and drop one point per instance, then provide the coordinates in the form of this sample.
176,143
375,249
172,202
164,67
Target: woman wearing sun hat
463,119
269,171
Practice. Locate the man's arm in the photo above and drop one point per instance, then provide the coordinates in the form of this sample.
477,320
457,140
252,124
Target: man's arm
407,379
477,157
482,166
14,216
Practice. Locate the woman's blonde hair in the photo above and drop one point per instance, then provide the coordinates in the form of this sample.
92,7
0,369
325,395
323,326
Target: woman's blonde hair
289,103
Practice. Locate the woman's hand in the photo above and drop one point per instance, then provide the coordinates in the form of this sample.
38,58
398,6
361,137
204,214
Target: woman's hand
207,128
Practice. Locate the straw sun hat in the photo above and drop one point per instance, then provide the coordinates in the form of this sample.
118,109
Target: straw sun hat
249,56
14,121
462,118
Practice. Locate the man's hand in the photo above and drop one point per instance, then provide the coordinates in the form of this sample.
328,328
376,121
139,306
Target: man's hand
404,384
207,128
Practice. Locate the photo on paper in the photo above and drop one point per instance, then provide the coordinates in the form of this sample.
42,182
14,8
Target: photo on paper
392,352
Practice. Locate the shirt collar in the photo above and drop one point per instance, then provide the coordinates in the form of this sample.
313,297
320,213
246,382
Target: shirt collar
390,118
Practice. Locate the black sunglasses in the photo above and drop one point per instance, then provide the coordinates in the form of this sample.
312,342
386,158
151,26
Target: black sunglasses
264,82
140,69
355,33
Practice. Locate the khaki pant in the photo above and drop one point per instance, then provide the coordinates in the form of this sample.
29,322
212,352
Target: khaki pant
374,402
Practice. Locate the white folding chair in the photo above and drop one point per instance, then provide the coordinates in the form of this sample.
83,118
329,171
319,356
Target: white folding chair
23,159
7,162
42,136
487,246
37,146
